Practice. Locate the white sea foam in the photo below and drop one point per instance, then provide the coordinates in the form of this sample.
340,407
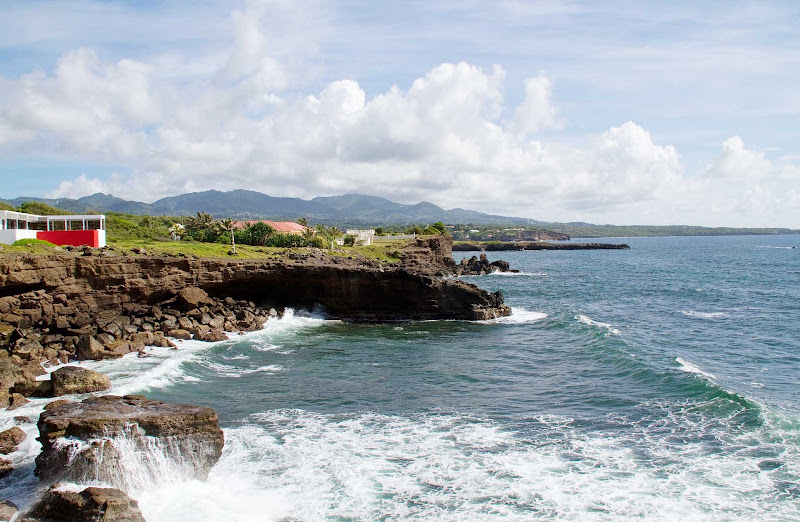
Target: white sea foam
704,315
610,328
517,274
309,466
225,370
688,367
518,316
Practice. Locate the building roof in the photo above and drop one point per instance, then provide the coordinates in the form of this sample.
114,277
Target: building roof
282,227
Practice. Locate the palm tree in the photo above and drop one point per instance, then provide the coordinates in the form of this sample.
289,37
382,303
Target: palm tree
334,234
201,223
302,221
226,225
308,234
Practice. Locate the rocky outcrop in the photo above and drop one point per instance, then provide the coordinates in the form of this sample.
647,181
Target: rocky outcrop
10,440
108,438
101,305
73,379
90,505
480,266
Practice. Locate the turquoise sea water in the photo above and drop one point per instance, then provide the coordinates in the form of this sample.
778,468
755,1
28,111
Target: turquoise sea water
656,383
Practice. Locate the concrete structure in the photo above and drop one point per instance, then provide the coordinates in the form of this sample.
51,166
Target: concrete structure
363,237
73,230
281,227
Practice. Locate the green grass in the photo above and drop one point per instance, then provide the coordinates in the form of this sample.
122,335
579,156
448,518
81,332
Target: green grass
197,248
376,252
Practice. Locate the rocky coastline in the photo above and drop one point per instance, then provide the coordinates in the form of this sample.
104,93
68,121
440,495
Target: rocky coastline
88,304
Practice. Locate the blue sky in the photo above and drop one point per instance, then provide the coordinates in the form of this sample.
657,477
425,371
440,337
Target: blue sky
619,112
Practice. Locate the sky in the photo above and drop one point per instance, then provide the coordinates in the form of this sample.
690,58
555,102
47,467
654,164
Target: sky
621,112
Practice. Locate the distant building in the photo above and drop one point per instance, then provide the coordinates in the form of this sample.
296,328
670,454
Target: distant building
75,230
281,227
363,237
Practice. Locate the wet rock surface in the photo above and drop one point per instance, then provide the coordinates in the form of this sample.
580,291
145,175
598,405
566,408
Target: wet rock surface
81,441
92,504
481,266
73,379
10,440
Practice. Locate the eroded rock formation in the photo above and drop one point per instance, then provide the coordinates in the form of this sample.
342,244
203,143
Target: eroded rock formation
89,505
117,440
104,305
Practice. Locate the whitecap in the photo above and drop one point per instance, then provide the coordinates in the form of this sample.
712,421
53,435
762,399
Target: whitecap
518,316
704,315
517,274
610,328
688,367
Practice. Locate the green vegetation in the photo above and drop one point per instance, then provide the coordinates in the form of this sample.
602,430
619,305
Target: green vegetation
6,206
437,229
34,207
36,242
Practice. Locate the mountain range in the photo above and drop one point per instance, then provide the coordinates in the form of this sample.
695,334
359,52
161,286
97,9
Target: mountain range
347,209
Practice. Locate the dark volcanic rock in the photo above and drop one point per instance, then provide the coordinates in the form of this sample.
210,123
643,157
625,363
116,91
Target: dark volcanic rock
88,440
10,440
192,297
90,505
5,467
73,379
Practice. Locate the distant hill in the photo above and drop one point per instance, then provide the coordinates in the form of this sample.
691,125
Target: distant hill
358,210
347,209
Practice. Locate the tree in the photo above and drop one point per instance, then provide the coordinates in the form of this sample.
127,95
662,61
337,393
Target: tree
308,234
349,240
302,221
440,227
259,233
200,223
379,231
334,233
226,225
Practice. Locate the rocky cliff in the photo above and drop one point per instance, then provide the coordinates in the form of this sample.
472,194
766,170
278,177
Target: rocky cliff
98,304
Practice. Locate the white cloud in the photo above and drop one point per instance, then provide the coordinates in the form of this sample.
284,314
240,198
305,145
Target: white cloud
537,112
738,162
447,138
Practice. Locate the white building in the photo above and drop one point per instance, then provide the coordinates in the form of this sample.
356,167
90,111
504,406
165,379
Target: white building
73,230
363,237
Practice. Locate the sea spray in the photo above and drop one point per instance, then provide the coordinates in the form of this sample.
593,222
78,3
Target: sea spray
131,460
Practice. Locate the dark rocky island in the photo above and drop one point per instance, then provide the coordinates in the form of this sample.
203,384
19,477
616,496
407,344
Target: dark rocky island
498,246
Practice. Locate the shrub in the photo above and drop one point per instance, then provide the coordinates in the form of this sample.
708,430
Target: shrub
285,241
349,240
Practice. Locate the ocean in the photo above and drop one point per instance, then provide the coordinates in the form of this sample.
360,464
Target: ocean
656,383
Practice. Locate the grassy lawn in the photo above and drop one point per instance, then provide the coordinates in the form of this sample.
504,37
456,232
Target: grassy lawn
197,248
383,252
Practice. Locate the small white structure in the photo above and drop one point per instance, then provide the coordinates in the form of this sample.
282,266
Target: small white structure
363,237
60,230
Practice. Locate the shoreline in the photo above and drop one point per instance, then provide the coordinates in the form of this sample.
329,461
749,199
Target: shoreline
500,246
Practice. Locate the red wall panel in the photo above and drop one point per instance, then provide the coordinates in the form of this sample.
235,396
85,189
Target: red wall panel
70,237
